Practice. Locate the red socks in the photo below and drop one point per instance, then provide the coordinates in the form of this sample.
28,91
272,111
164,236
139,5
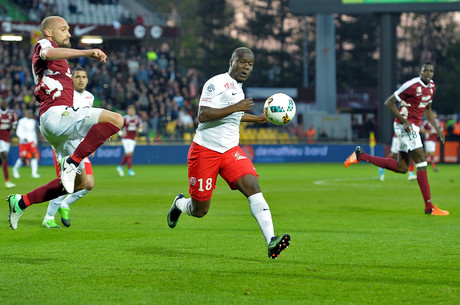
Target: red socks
45,192
387,163
129,160
422,179
96,137
5,171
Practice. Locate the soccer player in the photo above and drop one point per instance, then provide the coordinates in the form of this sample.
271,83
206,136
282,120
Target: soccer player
416,97
81,99
215,150
60,123
8,121
133,125
430,140
28,151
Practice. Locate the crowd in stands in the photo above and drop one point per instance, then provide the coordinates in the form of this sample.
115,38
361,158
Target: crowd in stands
150,79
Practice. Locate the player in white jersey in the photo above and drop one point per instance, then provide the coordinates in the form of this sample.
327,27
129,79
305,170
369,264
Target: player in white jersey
81,99
215,151
26,131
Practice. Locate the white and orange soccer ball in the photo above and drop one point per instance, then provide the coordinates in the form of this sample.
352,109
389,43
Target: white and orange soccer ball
279,109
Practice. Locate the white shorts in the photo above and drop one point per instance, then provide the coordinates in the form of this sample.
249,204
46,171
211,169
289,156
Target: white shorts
64,127
4,146
430,146
408,141
128,145
395,145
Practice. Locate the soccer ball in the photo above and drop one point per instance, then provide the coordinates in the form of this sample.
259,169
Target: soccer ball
279,109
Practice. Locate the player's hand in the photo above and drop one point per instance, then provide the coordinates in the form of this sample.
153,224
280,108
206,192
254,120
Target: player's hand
98,55
407,126
245,105
262,118
441,137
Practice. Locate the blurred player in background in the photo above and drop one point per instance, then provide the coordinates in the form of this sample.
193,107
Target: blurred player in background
26,132
8,121
133,125
416,97
60,123
215,151
431,139
81,99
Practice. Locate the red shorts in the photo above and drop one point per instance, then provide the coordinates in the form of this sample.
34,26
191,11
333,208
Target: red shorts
28,150
204,165
88,166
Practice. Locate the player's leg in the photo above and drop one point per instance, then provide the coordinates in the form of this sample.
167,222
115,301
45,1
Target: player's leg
4,149
203,168
53,206
94,124
16,167
240,174
34,156
88,177
360,155
129,151
418,155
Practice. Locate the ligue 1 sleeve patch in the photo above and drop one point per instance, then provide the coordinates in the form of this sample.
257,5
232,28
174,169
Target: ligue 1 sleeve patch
210,88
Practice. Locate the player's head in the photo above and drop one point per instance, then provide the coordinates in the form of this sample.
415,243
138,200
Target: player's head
131,110
30,113
241,64
3,104
80,79
427,72
56,29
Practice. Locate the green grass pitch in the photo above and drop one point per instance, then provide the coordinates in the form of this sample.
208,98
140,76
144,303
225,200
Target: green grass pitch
355,240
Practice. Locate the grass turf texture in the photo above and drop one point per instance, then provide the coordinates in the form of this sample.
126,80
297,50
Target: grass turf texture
355,240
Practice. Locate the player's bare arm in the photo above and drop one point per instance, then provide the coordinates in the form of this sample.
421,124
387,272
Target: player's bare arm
254,118
208,114
67,53
430,118
390,103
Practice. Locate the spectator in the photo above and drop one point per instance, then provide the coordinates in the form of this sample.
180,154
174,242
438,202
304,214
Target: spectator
73,9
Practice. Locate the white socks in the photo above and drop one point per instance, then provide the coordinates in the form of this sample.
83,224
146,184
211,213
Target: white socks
71,198
64,202
261,212
53,206
185,205
34,166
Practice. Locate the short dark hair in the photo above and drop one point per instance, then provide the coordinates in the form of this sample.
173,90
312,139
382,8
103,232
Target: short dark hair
78,69
240,50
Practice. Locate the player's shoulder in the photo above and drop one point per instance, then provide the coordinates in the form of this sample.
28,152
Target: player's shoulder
217,83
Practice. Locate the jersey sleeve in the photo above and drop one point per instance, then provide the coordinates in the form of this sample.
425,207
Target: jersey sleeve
404,91
212,92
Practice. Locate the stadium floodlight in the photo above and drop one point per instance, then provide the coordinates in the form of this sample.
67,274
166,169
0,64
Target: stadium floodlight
11,38
92,39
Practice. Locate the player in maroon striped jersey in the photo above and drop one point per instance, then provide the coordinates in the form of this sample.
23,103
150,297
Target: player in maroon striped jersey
133,125
8,121
415,96
61,123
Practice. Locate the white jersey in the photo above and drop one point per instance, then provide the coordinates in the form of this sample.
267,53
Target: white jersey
27,130
82,100
219,92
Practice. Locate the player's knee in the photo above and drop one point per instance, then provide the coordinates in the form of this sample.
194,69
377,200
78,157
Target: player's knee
118,120
89,186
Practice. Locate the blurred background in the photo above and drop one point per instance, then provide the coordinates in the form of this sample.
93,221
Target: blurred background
338,59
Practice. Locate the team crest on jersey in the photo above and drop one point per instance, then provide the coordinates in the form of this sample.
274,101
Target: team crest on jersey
192,181
238,156
419,91
211,88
